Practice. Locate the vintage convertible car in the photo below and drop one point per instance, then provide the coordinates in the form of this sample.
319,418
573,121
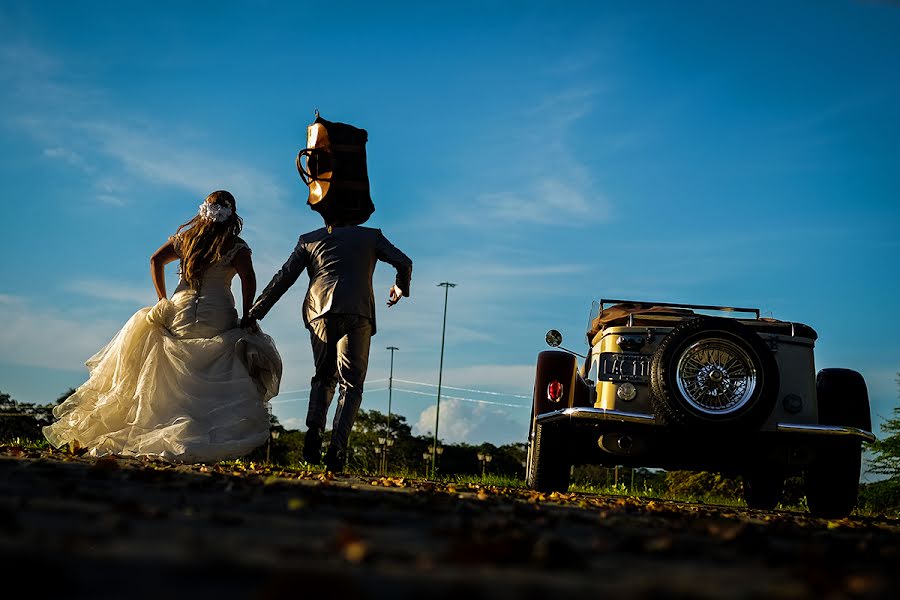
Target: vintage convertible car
694,387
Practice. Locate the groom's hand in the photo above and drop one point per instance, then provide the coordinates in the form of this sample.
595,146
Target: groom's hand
394,295
250,323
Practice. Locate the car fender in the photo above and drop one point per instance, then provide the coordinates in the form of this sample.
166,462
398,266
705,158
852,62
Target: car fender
563,367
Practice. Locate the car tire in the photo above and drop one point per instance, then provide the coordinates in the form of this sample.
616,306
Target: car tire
763,487
548,468
832,479
713,372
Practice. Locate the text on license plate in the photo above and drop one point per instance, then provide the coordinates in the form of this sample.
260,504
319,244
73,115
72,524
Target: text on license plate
624,367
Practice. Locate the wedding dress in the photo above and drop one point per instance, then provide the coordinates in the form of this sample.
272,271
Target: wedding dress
179,382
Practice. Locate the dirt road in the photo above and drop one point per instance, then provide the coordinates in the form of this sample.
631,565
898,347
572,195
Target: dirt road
79,528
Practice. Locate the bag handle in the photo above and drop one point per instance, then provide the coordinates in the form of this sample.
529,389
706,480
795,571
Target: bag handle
305,174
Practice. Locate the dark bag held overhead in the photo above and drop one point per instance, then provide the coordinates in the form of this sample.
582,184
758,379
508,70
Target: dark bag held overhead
336,172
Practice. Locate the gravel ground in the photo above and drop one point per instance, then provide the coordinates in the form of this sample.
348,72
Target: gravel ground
79,527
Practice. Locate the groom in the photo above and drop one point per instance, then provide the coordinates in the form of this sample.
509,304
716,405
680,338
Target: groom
339,311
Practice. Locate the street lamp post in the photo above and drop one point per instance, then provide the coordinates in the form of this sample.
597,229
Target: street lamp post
484,458
381,451
273,435
390,390
427,456
430,455
437,413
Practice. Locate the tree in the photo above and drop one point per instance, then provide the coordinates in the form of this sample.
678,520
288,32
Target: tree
884,496
368,428
887,450
701,485
22,420
65,396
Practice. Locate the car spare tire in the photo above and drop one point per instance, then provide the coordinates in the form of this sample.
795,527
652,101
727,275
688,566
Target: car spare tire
713,372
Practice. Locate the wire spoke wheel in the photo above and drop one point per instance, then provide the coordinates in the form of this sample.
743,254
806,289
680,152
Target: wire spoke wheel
712,372
716,376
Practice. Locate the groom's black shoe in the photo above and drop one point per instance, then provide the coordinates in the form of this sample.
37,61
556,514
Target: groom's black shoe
335,460
312,447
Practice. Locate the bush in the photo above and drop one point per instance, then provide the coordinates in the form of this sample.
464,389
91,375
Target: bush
702,485
881,497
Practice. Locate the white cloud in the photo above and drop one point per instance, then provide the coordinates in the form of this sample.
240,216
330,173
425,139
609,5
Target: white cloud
549,201
117,291
543,181
79,126
462,422
66,155
44,337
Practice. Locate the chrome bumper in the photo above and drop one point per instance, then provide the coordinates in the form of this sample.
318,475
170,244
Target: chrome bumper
620,416
830,430
596,414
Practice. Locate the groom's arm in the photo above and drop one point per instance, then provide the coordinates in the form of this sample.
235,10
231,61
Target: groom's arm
390,254
281,282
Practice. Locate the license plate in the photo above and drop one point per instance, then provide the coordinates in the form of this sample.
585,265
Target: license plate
624,367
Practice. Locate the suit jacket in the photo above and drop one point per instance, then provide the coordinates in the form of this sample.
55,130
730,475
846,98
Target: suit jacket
340,263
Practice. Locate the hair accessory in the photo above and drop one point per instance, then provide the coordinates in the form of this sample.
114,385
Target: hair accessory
214,212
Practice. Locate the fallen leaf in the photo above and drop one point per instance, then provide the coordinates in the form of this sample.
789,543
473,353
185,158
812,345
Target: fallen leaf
658,544
355,552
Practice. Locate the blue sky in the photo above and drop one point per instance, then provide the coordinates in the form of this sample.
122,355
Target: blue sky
539,157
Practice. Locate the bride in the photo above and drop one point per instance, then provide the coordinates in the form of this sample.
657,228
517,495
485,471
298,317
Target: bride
181,381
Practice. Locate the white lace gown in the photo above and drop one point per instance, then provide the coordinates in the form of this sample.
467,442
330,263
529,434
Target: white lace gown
179,382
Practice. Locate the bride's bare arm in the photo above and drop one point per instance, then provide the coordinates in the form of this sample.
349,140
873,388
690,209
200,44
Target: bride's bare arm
243,264
158,261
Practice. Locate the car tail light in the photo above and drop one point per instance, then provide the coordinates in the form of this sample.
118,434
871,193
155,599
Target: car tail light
554,391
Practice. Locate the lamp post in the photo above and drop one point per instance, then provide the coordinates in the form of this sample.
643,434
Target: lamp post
430,455
390,390
273,435
381,451
484,458
437,413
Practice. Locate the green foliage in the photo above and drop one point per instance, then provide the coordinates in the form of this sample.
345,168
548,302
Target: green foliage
702,485
503,481
880,497
65,396
597,479
793,495
883,497
887,449
22,420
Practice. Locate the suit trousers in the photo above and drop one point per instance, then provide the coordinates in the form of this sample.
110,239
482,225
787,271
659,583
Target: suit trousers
340,347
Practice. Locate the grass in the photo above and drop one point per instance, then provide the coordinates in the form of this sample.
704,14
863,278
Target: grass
500,481
27,443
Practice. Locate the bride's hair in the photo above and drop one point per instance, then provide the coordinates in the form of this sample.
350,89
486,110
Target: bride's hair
205,239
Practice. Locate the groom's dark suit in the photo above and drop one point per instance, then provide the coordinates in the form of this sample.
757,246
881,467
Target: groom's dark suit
339,311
